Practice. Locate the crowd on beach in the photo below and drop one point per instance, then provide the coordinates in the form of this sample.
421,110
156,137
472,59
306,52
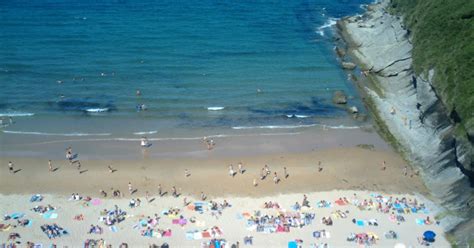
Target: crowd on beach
272,217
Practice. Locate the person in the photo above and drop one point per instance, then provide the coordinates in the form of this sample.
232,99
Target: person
267,170
147,196
139,93
285,172
263,174
405,170
130,188
160,190
255,184
103,193
144,142
78,165
10,166
241,170
175,193
111,170
203,196
50,165
231,170
392,110
186,173
320,168
275,178
384,165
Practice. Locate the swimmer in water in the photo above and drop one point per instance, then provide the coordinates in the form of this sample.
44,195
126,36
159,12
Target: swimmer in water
139,93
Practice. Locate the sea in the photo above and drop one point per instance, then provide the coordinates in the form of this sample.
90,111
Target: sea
209,67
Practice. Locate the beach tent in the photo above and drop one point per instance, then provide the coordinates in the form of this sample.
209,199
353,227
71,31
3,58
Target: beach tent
429,236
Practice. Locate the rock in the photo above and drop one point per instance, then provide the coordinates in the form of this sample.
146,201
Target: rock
348,65
341,52
353,110
339,97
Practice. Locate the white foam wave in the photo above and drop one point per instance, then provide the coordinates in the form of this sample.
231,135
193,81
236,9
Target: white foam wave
215,108
275,127
339,127
97,110
329,23
297,116
15,114
146,132
56,134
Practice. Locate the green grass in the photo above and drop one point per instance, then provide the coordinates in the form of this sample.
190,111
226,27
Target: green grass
443,39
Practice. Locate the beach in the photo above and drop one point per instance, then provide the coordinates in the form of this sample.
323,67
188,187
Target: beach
342,172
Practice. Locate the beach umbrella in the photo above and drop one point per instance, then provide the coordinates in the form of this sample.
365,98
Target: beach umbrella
400,245
429,236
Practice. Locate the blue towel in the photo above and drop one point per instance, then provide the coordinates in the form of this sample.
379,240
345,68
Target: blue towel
113,229
420,222
292,244
17,215
360,223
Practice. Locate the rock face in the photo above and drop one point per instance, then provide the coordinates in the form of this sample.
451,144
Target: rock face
420,122
340,52
339,97
348,65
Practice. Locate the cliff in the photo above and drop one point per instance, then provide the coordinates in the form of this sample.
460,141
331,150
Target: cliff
408,103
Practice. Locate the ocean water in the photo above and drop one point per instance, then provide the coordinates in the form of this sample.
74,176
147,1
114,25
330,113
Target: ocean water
72,68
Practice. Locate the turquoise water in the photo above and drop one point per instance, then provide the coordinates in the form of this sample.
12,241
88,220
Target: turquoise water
62,60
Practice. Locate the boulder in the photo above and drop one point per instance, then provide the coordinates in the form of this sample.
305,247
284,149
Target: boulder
339,97
341,52
353,110
348,65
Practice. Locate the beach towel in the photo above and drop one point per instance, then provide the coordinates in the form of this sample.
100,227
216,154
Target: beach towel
360,223
96,201
5,227
340,202
167,233
113,229
182,222
206,234
190,235
175,221
17,215
292,244
50,215
420,222
197,235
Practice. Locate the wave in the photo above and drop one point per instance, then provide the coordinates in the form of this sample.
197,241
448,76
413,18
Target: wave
97,110
145,132
15,114
329,23
215,108
339,127
57,134
275,127
297,116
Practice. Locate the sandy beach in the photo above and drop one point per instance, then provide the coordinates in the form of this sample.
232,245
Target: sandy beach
343,172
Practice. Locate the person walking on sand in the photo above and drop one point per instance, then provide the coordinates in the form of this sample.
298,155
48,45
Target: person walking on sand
111,170
241,170
186,173
10,167
130,188
275,178
384,165
231,170
78,165
285,173
147,196
175,193
267,170
255,184
203,196
263,174
50,165
160,190
320,167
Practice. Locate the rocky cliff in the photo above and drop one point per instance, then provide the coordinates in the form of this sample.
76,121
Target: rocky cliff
412,111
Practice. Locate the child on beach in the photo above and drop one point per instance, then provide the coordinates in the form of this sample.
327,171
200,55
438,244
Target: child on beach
50,165
231,170
285,173
130,188
275,178
241,170
10,166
